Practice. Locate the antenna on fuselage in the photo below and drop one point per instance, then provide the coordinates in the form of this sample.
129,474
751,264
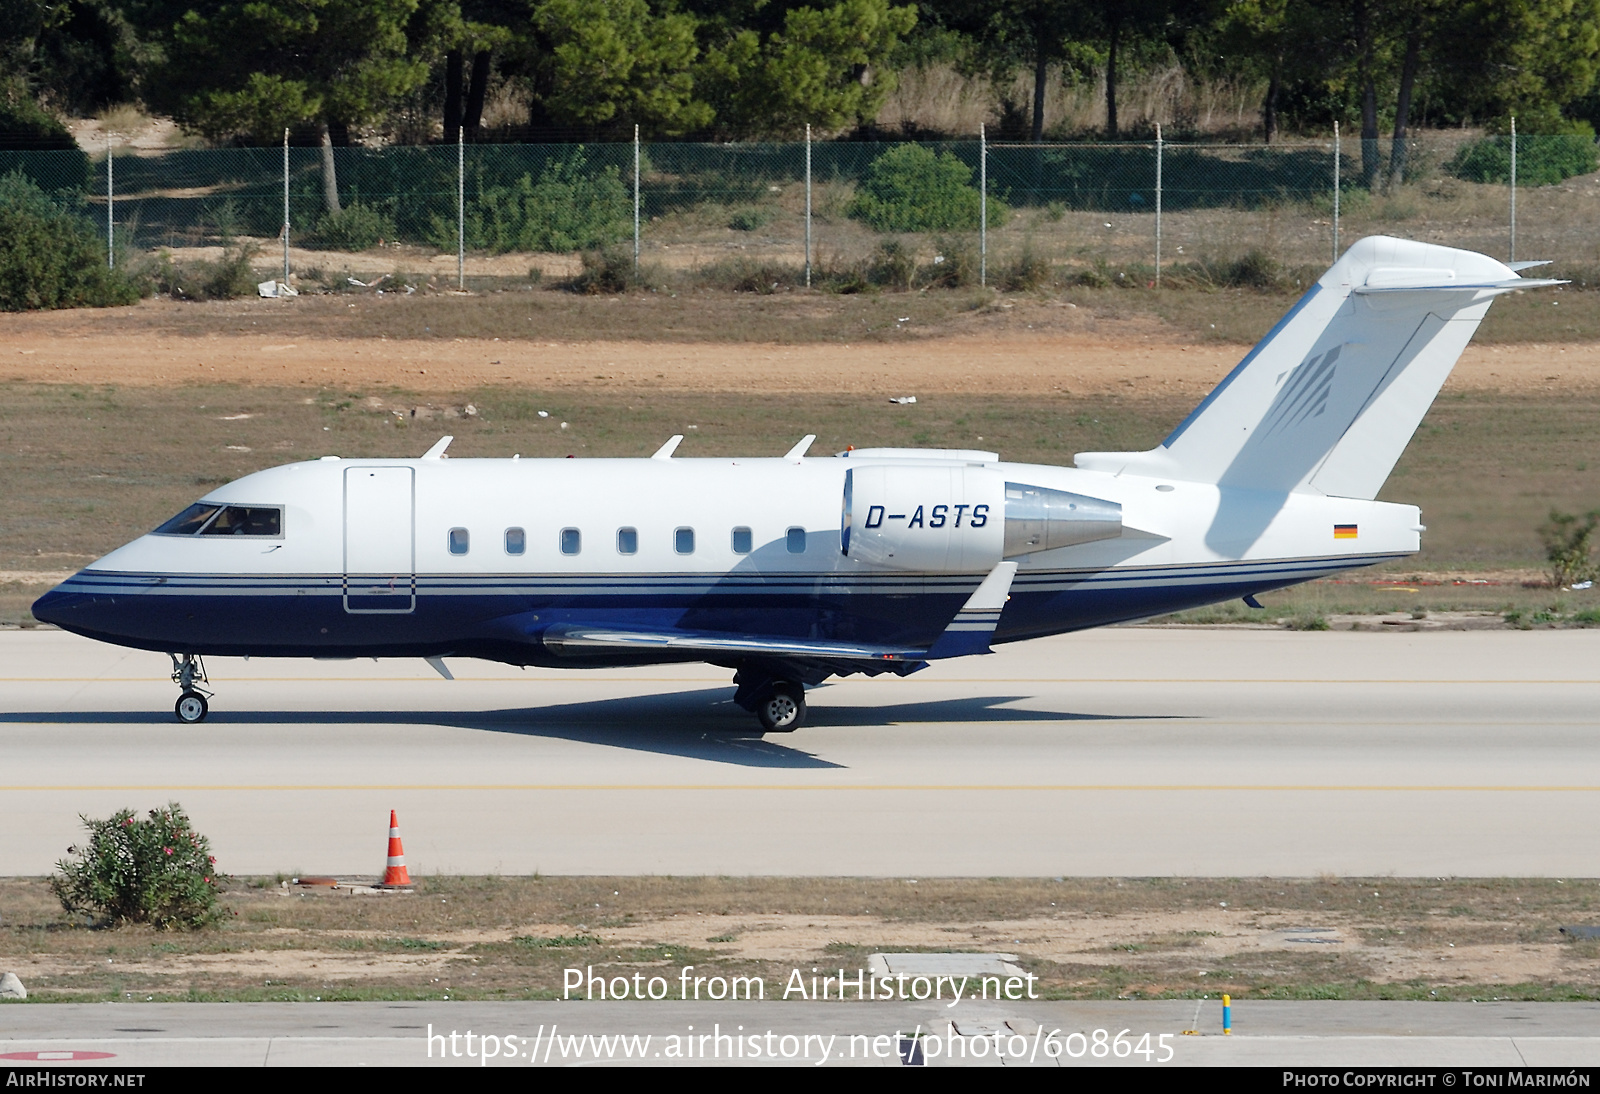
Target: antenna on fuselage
665,451
799,450
437,451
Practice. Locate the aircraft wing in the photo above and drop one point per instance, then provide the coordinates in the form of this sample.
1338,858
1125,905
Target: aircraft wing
968,633
582,641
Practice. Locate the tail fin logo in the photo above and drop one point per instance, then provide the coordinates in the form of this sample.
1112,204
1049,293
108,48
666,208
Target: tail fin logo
1305,396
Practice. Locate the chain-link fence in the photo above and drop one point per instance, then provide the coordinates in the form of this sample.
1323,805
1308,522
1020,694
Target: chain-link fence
755,216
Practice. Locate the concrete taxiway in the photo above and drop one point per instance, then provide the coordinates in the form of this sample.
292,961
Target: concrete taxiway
1478,1036
1131,751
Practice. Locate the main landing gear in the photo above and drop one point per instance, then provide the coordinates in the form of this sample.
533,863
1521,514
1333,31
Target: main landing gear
189,673
779,704
783,708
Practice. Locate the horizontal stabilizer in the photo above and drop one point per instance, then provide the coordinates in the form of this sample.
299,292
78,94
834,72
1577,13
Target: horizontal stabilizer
1506,285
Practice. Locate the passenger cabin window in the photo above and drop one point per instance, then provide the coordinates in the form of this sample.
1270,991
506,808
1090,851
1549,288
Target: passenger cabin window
795,539
683,541
516,541
202,519
741,541
627,541
571,541
459,541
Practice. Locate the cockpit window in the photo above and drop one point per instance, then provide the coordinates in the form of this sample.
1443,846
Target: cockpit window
225,520
190,521
246,520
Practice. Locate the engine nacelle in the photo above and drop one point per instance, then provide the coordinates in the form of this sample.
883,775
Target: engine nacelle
961,519
1041,519
933,519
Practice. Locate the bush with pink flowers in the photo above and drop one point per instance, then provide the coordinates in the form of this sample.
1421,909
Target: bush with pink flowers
158,871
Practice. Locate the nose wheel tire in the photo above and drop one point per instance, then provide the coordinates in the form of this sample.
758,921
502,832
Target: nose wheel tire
783,709
191,708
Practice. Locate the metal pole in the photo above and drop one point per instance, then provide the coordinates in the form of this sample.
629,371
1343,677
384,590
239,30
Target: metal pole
461,207
111,225
1158,205
636,201
285,206
808,206
1336,191
983,206
1513,188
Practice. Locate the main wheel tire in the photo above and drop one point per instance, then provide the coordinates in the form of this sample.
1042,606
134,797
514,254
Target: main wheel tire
783,709
191,708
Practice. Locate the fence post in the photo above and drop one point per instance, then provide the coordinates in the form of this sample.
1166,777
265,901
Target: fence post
1336,191
636,201
983,206
808,205
1513,188
111,225
286,206
1158,205
461,207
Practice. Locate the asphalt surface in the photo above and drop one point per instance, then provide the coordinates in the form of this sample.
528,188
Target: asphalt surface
1477,1036
1132,751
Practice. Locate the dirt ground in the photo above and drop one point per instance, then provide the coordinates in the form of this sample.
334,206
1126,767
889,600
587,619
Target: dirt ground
512,937
1019,363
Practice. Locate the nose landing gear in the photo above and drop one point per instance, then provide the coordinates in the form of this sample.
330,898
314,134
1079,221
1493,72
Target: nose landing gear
189,673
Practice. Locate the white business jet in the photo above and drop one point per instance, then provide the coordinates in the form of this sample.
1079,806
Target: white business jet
794,569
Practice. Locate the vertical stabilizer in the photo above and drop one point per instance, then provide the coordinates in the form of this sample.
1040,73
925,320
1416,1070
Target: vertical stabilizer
1328,400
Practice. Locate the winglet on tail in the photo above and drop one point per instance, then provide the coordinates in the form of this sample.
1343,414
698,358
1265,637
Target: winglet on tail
1328,400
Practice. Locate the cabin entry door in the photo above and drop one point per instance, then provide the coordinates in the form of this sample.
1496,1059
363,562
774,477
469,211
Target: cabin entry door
380,559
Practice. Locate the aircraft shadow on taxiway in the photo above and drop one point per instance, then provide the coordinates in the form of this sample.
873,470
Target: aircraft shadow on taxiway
703,724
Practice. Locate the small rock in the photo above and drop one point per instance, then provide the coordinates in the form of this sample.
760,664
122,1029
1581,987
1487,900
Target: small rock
11,987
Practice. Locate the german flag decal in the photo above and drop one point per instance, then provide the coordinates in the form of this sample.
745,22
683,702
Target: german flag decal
1344,531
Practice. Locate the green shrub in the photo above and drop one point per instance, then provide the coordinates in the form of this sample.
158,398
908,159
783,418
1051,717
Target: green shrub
954,266
1541,159
570,208
158,871
913,189
24,124
1028,272
356,227
605,271
1569,546
1313,621
225,279
50,257
893,265
1255,269
750,219
753,275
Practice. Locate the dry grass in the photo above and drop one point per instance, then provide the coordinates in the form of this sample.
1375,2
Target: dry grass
88,468
938,99
1189,310
497,938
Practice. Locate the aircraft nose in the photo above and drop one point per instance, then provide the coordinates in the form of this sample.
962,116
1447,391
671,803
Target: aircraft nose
84,605
56,606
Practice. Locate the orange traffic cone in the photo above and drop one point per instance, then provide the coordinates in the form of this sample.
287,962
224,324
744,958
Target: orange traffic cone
395,872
